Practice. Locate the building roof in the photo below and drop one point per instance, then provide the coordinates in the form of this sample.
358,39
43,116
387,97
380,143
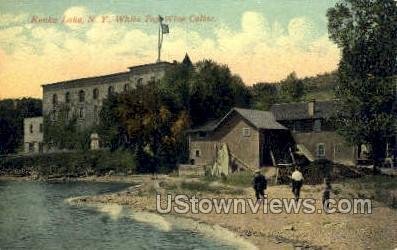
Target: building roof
120,76
186,61
257,118
300,111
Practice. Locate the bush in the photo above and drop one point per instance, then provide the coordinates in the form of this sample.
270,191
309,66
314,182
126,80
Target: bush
316,171
69,164
380,188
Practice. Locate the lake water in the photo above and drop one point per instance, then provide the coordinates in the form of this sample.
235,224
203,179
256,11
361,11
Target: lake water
34,215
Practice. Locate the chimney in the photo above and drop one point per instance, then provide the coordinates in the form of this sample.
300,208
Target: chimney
311,107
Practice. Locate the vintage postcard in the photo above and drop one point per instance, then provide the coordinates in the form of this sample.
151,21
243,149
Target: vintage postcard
198,124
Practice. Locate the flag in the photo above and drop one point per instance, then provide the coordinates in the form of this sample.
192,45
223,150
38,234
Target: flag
165,29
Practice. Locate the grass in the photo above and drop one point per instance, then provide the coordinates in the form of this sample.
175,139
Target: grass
380,188
206,187
239,179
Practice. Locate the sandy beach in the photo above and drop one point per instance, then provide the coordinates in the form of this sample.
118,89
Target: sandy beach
377,230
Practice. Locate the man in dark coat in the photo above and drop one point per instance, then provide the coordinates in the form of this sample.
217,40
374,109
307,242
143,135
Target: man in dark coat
259,184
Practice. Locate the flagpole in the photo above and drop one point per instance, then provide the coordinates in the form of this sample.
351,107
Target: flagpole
160,41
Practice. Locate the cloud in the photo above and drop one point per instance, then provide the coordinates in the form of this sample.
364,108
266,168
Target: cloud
11,19
73,14
257,51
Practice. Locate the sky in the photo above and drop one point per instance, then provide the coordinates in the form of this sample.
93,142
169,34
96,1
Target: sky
43,42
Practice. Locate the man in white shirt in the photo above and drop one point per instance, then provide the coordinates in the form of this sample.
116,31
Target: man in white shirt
297,182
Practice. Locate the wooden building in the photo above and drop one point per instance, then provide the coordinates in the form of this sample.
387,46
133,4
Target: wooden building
254,139
313,132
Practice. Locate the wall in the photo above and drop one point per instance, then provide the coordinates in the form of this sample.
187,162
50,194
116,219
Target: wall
245,148
102,83
207,148
191,170
34,137
336,148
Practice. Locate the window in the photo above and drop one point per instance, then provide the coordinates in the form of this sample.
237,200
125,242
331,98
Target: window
53,115
202,134
140,81
41,128
81,113
126,87
95,93
320,150
246,132
31,147
197,153
31,128
67,97
81,96
110,90
96,113
54,99
153,79
297,126
317,126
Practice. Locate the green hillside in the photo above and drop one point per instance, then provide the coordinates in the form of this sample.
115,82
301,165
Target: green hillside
320,87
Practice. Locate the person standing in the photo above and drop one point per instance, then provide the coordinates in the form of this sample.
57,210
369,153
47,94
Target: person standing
259,184
326,195
297,182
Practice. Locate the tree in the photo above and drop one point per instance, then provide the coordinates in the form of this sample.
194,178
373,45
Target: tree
206,90
112,134
214,90
175,86
264,95
366,32
64,132
12,113
292,89
150,120
141,122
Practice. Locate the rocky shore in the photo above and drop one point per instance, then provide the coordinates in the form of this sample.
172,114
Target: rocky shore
268,231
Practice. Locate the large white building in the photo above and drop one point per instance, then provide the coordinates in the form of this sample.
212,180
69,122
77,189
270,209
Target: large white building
83,98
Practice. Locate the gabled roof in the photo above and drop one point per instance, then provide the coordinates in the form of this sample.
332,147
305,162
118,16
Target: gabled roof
257,118
300,111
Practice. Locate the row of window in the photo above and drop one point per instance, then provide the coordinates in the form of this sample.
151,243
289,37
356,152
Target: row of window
81,114
31,128
95,92
31,146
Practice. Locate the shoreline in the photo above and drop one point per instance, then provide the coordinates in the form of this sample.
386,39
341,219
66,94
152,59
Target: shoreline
105,179
105,203
265,231
168,222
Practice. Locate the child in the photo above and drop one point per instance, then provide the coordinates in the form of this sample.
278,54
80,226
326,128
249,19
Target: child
326,194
